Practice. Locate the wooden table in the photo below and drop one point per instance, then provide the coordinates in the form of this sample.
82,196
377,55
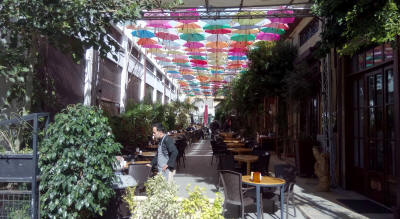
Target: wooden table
147,154
152,146
231,140
266,181
248,159
240,150
235,145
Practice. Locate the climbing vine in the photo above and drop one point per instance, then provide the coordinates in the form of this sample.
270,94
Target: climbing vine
352,25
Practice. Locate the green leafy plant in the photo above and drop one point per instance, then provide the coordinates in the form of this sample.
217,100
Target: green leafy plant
197,205
162,202
76,164
21,213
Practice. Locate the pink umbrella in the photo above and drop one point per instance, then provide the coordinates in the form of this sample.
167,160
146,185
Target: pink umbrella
281,19
268,36
151,46
238,49
166,36
187,12
196,53
158,24
199,65
193,45
237,53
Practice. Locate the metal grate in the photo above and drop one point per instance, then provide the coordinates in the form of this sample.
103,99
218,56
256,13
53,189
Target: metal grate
15,204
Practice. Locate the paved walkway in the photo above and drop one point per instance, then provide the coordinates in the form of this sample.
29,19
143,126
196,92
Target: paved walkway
198,171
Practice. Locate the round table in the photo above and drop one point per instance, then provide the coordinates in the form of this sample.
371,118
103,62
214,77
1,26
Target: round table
235,145
248,159
240,150
147,154
266,181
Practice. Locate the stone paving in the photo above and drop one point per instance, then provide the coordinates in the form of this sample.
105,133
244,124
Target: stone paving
198,171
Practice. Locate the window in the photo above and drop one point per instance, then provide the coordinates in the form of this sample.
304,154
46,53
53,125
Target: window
148,97
166,82
159,97
172,87
134,51
149,66
309,31
374,56
159,76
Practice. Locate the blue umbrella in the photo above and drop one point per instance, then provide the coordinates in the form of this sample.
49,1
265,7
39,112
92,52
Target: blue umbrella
237,57
173,72
143,34
216,72
188,77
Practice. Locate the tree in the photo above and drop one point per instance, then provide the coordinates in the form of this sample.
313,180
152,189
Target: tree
71,26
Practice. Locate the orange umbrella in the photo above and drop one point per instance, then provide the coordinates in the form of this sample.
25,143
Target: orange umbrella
180,60
240,44
195,49
217,45
248,31
202,78
146,41
186,71
182,84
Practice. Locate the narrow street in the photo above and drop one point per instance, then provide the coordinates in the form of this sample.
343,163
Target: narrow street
198,171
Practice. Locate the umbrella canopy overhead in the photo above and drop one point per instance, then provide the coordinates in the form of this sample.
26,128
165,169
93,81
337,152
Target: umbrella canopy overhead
206,55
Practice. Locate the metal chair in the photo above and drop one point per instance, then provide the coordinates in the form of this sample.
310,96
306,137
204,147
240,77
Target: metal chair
288,173
233,191
140,173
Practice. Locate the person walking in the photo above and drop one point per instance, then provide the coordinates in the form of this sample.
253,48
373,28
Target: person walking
165,159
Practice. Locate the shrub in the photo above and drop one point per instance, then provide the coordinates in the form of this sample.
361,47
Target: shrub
76,164
162,202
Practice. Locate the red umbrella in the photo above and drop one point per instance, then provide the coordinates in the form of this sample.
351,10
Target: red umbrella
205,115
240,44
217,50
200,62
146,41
218,31
244,49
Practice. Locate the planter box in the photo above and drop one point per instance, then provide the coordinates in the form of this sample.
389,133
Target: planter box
16,167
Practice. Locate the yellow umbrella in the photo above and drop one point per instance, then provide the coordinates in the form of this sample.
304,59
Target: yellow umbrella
155,50
190,30
175,52
246,21
188,26
248,31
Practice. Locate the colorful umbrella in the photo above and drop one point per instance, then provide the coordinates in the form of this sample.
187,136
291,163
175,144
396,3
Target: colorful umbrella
273,30
193,45
197,57
146,41
187,12
219,31
188,77
200,68
179,60
244,49
246,21
240,44
158,24
216,26
196,53
162,59
195,49
152,46
217,50
202,78
277,26
217,45
143,34
175,52
245,27
243,37
192,37
237,53
159,51
200,62
246,31
218,21
217,37
190,30
237,57
277,19
166,36
268,36
172,72
188,26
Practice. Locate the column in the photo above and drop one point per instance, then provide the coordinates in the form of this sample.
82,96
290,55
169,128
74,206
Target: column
87,92
124,73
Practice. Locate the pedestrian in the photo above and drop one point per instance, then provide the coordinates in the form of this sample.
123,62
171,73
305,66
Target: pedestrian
165,159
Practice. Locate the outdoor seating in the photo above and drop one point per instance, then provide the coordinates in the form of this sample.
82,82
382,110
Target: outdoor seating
288,173
181,145
140,173
217,150
234,193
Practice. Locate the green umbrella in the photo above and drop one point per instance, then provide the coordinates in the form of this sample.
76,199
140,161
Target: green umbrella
192,37
243,37
197,57
273,30
216,27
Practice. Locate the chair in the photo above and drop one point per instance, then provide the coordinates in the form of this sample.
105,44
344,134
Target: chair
263,163
140,173
181,145
288,173
217,150
233,191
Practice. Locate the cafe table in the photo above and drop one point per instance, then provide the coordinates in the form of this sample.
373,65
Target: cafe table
234,145
147,154
248,159
240,150
152,146
231,140
266,181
